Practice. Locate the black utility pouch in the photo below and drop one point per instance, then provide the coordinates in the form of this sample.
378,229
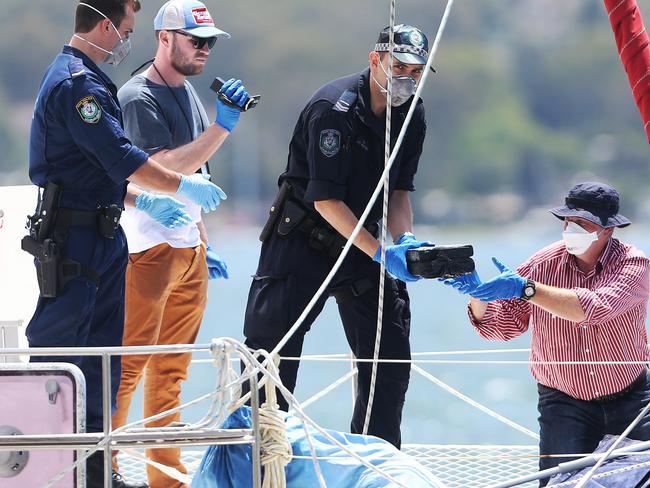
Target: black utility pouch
440,261
108,221
291,218
275,210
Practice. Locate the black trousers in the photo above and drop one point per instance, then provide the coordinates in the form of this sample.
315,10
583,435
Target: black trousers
289,274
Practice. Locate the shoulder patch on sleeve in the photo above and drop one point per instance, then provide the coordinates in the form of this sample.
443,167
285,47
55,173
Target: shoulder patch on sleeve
329,142
89,109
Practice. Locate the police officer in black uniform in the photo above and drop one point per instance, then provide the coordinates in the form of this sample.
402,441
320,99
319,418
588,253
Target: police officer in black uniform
336,158
82,159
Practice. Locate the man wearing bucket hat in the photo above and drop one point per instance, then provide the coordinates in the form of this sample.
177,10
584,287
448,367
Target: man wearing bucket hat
585,298
336,158
168,271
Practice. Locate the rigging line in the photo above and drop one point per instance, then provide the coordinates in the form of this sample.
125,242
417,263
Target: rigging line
378,188
600,462
384,219
468,361
613,472
475,404
291,400
318,357
332,386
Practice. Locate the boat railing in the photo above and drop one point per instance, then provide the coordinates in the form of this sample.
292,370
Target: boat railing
206,431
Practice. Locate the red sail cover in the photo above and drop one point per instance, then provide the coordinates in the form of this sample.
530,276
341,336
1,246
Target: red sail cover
632,42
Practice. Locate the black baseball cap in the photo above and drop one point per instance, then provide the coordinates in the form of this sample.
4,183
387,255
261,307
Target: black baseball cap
411,45
595,202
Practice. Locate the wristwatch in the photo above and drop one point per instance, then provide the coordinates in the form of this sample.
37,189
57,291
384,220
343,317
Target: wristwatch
528,291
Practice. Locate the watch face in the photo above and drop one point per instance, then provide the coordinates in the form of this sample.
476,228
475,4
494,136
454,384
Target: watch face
529,291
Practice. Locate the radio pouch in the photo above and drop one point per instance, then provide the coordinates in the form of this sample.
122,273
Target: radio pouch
291,218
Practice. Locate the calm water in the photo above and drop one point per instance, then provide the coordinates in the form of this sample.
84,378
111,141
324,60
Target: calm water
439,323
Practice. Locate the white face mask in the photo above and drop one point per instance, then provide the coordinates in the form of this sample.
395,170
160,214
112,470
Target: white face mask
121,50
577,240
403,87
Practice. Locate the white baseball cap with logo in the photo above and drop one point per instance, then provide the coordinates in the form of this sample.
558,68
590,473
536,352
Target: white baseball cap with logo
190,16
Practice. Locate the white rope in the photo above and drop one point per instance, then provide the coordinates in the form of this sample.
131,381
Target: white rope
475,404
384,220
332,386
276,450
167,470
467,361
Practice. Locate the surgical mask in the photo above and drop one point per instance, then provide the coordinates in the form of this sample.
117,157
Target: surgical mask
403,87
576,239
120,51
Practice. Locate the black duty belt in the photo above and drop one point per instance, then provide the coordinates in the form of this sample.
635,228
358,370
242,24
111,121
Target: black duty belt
106,220
361,286
625,391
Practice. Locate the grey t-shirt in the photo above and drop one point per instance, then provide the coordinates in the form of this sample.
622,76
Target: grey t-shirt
154,120
153,117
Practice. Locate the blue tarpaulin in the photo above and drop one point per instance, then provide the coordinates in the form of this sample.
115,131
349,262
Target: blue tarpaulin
230,466
625,471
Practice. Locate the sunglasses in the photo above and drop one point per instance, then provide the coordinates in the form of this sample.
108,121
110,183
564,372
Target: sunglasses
199,42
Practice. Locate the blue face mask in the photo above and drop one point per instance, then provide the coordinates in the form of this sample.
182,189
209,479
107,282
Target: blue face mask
119,52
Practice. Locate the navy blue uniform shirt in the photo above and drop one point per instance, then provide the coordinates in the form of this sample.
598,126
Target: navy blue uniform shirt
77,138
337,148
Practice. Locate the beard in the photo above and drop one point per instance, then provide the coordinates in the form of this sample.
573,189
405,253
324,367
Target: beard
183,65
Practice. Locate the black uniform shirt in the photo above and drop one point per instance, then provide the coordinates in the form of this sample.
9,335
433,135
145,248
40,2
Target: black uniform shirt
337,148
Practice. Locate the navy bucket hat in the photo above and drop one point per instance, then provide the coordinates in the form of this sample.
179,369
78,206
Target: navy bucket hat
595,202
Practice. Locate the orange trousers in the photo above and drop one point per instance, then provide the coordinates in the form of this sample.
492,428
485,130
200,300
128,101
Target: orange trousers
166,295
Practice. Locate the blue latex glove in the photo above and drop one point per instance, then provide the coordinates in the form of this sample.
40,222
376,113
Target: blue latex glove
465,284
217,267
507,284
396,260
165,210
197,188
227,117
409,238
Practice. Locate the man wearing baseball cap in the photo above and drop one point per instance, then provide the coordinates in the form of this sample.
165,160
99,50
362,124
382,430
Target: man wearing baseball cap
585,298
336,158
168,271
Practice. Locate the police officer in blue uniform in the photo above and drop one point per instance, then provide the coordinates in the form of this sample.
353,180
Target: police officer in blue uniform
82,159
336,158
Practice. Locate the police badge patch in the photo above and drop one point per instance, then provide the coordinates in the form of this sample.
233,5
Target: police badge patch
89,110
330,142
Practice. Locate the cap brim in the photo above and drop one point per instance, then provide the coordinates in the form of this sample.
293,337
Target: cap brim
207,31
409,58
617,220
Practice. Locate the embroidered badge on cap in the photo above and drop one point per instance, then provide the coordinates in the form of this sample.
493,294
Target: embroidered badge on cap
202,16
330,142
416,38
89,110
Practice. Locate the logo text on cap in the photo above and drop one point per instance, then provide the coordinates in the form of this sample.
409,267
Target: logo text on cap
202,16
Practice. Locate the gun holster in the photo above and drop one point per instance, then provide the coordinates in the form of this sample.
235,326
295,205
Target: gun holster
48,229
47,264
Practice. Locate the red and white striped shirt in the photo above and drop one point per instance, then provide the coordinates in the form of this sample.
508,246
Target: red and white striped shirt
614,297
